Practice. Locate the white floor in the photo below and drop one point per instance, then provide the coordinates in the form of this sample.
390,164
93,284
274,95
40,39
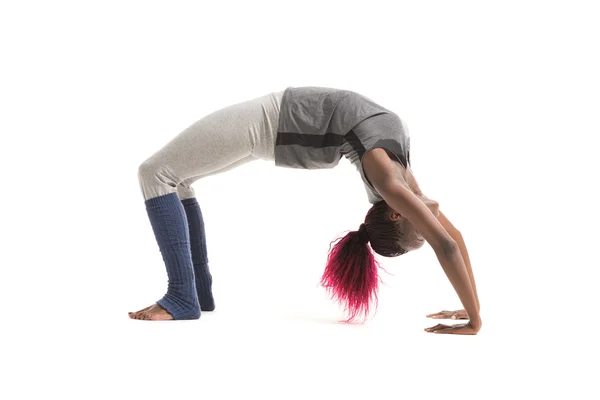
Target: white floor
281,348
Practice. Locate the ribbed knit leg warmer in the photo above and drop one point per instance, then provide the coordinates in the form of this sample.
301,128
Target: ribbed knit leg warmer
199,254
168,220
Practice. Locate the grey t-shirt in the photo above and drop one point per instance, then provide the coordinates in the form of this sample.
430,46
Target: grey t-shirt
387,131
319,125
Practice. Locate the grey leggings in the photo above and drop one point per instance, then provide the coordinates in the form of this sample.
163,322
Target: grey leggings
218,142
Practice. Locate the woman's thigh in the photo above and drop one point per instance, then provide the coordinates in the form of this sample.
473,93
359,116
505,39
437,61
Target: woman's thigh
185,189
220,141
209,144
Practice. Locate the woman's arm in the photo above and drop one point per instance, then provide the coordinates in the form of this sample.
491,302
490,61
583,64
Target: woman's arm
445,247
380,171
457,236
454,266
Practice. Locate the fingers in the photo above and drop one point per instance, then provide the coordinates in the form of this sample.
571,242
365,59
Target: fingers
441,314
445,314
431,328
436,327
457,331
461,329
445,329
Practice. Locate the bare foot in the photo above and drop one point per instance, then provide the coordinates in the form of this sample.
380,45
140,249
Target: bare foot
155,313
132,313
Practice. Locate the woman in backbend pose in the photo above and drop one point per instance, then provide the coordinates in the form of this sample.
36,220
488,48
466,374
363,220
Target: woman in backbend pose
302,127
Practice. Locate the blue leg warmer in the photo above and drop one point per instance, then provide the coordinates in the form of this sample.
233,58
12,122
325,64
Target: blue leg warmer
168,220
199,254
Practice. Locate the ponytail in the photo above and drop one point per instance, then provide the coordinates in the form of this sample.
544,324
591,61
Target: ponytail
351,276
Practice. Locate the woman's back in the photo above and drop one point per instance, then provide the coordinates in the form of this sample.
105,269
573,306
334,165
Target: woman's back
317,126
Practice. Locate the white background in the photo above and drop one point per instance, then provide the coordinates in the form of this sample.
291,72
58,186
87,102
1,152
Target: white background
501,99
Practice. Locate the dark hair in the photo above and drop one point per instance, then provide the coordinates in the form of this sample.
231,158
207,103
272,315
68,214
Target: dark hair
351,274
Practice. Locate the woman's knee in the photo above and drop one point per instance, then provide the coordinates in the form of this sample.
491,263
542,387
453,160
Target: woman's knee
154,171
156,179
147,170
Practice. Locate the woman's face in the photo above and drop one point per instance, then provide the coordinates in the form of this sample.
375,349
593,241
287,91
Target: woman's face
412,239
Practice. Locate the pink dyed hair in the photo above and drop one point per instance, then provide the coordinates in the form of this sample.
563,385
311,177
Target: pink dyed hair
351,276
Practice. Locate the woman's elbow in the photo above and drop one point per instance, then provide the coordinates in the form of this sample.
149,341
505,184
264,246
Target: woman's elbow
447,247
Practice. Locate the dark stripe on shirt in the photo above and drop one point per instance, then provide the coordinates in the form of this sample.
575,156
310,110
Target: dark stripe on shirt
356,144
309,140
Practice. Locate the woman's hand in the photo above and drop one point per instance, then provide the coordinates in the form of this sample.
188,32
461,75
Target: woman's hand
458,329
445,314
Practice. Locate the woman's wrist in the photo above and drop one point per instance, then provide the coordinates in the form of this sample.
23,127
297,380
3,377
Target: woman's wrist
476,322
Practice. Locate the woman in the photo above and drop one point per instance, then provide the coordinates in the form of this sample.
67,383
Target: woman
302,127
